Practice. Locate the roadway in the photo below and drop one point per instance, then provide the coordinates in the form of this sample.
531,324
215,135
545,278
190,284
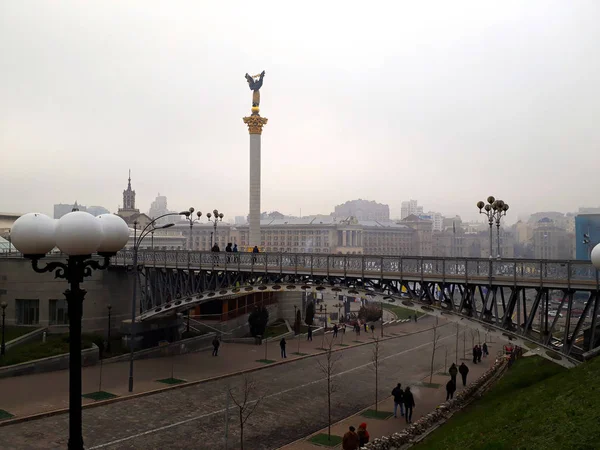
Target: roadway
293,403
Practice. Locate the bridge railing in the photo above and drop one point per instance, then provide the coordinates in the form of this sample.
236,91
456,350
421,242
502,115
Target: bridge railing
369,265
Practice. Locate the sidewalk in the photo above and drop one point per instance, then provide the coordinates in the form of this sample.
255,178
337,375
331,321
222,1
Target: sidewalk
426,400
46,392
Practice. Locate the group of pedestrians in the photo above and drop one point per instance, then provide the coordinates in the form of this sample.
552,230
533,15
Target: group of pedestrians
353,439
479,351
405,401
454,371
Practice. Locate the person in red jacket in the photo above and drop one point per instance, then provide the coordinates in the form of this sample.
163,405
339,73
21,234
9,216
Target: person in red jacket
363,435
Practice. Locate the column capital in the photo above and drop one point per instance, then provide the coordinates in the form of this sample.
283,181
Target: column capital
255,123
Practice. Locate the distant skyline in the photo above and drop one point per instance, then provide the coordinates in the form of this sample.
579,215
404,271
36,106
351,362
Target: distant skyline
445,103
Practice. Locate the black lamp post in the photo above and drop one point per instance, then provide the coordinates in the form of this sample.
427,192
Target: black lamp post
108,334
3,305
217,217
494,211
190,218
78,235
137,241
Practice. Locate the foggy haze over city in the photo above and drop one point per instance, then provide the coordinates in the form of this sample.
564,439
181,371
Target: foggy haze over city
442,102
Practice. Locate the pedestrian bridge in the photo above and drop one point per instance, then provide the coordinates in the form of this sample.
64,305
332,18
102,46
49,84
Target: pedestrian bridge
510,298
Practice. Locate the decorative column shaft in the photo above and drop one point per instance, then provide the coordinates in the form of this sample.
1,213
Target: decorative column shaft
255,124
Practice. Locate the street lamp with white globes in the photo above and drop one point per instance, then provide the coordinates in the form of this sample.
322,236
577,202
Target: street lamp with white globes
78,234
218,217
595,256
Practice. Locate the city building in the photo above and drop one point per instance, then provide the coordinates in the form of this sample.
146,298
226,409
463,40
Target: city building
97,210
410,208
158,208
326,234
203,235
587,233
551,241
362,210
422,242
437,219
130,214
64,208
523,232
6,222
239,220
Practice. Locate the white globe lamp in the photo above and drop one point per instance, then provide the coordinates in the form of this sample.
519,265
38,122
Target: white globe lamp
115,233
595,256
78,233
33,234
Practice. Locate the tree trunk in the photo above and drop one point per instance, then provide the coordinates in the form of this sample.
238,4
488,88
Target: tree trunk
241,431
376,382
329,407
433,353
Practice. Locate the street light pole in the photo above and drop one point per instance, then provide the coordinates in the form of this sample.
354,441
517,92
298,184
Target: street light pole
136,244
191,220
217,217
78,234
3,305
108,334
493,210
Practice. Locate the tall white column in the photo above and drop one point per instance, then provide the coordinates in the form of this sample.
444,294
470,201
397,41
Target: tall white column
255,140
255,124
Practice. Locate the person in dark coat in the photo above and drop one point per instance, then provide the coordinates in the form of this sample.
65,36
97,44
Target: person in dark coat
409,404
255,249
309,334
479,353
228,248
215,248
350,440
398,394
363,435
485,350
216,345
475,355
453,371
234,249
450,389
464,370
335,330
282,344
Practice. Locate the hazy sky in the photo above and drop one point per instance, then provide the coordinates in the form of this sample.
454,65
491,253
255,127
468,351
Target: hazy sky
444,102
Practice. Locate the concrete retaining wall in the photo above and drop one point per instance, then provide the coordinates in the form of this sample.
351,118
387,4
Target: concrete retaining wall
89,357
29,337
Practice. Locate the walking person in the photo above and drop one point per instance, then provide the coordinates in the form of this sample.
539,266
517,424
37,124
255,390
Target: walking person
282,344
363,435
228,249
409,404
216,343
372,328
450,389
485,350
350,440
475,355
398,394
464,370
335,330
453,371
309,334
255,250
479,353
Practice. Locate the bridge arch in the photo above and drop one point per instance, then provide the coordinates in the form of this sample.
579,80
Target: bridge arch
473,323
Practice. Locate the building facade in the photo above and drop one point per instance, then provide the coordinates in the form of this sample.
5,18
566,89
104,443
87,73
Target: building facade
551,241
410,207
587,234
362,210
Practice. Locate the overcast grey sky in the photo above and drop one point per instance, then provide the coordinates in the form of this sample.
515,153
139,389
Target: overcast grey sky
444,102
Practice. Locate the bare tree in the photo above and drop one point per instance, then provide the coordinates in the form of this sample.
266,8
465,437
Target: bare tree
436,338
328,368
245,405
376,359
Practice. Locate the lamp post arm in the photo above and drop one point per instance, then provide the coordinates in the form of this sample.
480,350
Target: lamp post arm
160,217
143,236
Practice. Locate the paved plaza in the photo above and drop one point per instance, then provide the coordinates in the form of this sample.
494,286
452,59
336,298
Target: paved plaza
293,394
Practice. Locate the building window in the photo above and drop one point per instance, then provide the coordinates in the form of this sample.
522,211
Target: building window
28,312
59,312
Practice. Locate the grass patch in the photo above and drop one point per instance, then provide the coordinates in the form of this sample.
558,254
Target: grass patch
99,395
324,439
54,345
379,415
342,345
401,312
265,361
299,353
276,329
429,385
5,415
13,332
536,405
171,381
359,342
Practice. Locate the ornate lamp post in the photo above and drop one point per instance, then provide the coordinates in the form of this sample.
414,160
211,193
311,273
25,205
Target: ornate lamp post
217,217
136,245
494,211
190,218
3,305
77,234
108,334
